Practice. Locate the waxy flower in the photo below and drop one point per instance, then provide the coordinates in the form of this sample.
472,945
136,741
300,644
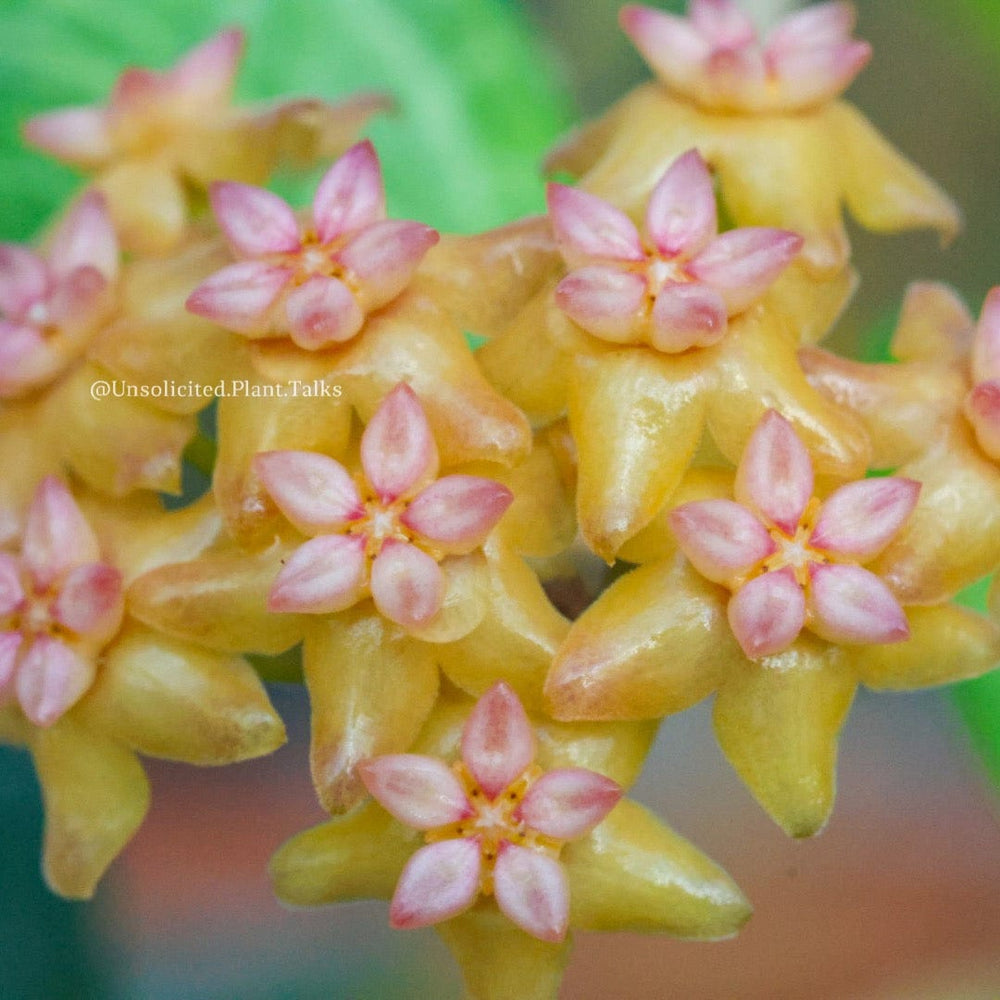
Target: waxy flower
164,134
494,823
316,283
676,292
791,561
386,538
715,57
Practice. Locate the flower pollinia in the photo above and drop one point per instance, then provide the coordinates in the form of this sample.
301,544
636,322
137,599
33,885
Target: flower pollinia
85,687
163,134
503,832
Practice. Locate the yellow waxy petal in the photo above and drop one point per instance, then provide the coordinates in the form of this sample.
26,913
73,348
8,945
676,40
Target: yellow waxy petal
580,150
656,642
147,202
465,598
169,699
353,857
371,688
637,418
219,601
947,643
778,721
810,306
632,872
27,454
96,795
934,325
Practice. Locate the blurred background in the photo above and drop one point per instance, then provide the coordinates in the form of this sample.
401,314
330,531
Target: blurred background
899,897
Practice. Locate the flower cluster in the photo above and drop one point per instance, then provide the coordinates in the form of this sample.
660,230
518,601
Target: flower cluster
649,390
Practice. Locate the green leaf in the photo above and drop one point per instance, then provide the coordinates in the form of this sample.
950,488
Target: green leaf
478,98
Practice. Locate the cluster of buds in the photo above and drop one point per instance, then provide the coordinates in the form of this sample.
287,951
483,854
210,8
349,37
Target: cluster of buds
648,390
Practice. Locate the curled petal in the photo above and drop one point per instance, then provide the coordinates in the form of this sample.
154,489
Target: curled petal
743,263
849,604
208,71
767,613
456,513
350,195
438,882
982,407
605,301
10,643
314,491
860,519
567,803
11,591
587,226
422,792
723,23
722,539
775,475
986,344
240,296
91,601
407,585
322,575
532,891
24,279
398,452
56,535
383,257
498,742
79,135
821,24
673,47
816,74
51,677
255,221
322,311
685,316
681,215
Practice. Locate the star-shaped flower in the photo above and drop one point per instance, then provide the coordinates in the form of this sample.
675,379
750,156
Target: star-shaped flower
164,134
676,293
386,538
791,561
715,57
316,283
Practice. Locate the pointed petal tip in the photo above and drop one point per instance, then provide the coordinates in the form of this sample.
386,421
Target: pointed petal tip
498,742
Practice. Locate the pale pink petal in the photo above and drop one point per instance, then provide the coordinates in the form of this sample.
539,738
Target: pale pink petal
78,297
86,238
91,601
322,575
407,585
673,47
80,135
50,679
254,221
849,604
986,343
315,492
422,792
982,407
439,882
775,475
25,357
10,643
588,227
567,803
11,591
24,280
860,519
137,91
723,23
350,195
681,215
383,257
815,74
605,301
820,24
743,263
722,539
767,614
498,742
240,296
208,71
398,452
532,891
686,316
322,311
456,513
56,534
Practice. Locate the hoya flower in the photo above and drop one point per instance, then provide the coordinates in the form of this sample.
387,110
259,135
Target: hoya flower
932,415
791,561
165,134
503,830
715,57
85,687
676,293
315,282
387,538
